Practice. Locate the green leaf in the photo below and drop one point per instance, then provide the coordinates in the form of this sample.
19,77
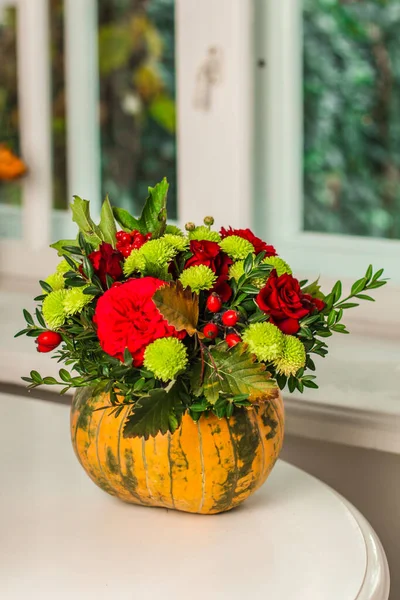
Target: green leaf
369,272
40,319
154,215
126,220
154,413
28,317
36,377
337,291
88,267
236,372
81,216
107,223
50,381
345,305
358,286
248,264
64,375
61,246
365,297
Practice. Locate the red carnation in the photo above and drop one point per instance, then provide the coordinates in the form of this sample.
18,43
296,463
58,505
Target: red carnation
106,261
284,301
258,243
127,317
210,254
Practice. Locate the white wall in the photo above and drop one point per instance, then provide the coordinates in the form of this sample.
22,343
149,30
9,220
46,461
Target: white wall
367,478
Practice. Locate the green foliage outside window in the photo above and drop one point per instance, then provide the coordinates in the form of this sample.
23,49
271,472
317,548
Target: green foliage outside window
352,117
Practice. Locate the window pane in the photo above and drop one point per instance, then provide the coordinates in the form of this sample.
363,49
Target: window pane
10,190
58,125
137,99
352,117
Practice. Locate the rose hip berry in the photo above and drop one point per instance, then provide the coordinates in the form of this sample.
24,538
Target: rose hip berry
214,303
48,341
230,318
210,331
232,339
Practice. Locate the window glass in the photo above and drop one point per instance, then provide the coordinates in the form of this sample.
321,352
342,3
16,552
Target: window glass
352,117
10,188
137,99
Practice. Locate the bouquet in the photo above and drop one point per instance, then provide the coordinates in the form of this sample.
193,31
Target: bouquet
169,322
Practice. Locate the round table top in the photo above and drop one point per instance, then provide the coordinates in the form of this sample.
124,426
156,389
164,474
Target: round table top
62,537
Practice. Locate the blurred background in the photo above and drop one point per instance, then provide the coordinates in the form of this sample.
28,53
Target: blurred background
279,116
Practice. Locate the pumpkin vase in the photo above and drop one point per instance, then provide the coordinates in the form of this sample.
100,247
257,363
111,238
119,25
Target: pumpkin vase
206,467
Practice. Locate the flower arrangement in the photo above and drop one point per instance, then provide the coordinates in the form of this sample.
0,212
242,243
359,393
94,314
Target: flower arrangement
168,322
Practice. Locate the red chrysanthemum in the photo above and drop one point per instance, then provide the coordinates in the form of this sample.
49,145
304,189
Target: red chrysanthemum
126,317
247,234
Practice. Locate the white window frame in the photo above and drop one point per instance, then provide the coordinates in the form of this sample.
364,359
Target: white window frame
279,179
214,145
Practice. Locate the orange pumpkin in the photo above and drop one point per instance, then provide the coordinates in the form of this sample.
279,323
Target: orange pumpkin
11,167
206,467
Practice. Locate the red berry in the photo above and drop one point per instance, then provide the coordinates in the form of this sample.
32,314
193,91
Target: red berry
230,318
125,238
210,331
119,235
48,341
126,250
41,348
214,303
232,339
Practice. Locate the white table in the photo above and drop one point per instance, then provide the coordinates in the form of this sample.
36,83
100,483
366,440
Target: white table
63,538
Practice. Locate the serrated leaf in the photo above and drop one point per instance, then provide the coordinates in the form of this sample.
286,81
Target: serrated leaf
153,415
61,244
236,372
81,216
180,307
125,219
107,223
154,215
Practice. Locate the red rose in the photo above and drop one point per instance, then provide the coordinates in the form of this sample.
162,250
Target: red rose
283,300
210,254
127,317
106,261
258,243
316,303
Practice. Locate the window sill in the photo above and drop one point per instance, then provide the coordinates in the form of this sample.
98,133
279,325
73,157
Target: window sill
358,402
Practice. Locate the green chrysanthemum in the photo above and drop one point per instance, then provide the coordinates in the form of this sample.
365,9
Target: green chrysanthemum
265,340
53,309
174,230
134,263
75,300
157,255
56,281
236,247
198,278
63,267
236,270
204,233
177,242
279,264
165,357
293,357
